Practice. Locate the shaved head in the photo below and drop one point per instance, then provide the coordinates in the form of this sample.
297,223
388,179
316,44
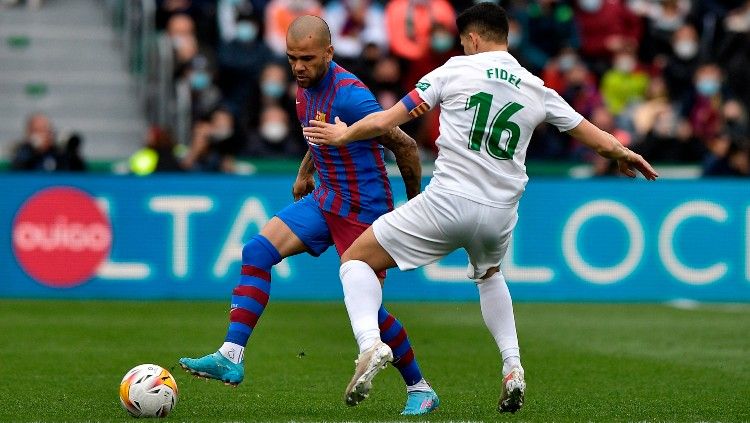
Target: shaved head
309,27
309,49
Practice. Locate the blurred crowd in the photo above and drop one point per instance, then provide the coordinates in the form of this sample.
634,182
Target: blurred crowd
667,77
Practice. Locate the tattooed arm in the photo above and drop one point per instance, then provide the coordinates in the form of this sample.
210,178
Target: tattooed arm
407,158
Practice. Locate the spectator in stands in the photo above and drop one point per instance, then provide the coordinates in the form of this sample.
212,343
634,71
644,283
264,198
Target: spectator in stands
734,51
421,33
280,14
670,139
242,56
581,90
606,28
274,90
181,32
215,144
705,111
556,69
527,55
736,119
386,81
274,137
230,12
410,25
625,83
681,64
201,12
38,149
662,19
204,94
550,28
729,157
354,24
159,154
71,159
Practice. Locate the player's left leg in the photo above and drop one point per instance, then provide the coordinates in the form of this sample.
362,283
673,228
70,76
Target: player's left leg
486,249
497,312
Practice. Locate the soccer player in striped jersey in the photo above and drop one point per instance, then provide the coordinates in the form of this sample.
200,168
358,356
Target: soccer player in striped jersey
489,107
353,191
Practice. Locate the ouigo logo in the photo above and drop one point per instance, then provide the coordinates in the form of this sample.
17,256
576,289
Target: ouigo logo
60,237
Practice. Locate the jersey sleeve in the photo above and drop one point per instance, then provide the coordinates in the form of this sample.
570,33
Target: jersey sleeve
358,103
559,112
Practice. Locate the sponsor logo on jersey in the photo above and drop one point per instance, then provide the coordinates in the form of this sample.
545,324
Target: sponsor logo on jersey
60,237
423,86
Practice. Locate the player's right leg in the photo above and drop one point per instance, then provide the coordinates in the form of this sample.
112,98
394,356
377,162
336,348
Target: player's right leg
420,397
281,237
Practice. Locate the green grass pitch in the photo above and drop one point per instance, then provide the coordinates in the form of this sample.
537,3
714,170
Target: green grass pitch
63,361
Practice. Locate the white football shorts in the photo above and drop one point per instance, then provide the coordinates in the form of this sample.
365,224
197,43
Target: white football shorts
435,223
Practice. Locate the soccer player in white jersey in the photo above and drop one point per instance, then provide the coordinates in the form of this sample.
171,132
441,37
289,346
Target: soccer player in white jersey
489,107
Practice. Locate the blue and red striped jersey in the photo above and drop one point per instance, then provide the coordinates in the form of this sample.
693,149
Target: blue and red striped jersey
353,179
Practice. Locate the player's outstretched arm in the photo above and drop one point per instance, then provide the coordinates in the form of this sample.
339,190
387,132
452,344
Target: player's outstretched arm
305,182
407,158
606,145
371,126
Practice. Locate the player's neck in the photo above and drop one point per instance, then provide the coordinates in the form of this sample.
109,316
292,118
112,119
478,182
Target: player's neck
490,46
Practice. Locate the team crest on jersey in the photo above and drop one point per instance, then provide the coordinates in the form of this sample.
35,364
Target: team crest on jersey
423,86
320,116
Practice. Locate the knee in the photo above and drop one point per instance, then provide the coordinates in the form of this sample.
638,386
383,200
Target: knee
347,256
249,249
490,272
260,250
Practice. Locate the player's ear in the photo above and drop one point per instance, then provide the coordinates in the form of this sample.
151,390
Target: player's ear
475,40
329,53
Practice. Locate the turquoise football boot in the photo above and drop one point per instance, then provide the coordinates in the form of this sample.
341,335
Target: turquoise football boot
215,366
420,402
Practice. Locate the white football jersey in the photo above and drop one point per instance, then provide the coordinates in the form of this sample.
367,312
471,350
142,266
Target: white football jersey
489,107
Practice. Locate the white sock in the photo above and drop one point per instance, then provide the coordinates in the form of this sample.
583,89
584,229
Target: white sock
363,296
233,352
421,386
497,311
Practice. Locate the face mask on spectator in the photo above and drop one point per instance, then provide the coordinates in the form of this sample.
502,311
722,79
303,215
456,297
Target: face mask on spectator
354,4
566,62
37,141
590,5
487,1
178,41
625,64
441,42
222,133
246,31
708,87
685,49
272,89
274,132
199,80
514,39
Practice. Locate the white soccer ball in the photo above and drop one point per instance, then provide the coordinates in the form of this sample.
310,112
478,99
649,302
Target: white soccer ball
148,390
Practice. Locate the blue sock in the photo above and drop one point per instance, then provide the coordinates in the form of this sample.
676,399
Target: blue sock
394,334
250,297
